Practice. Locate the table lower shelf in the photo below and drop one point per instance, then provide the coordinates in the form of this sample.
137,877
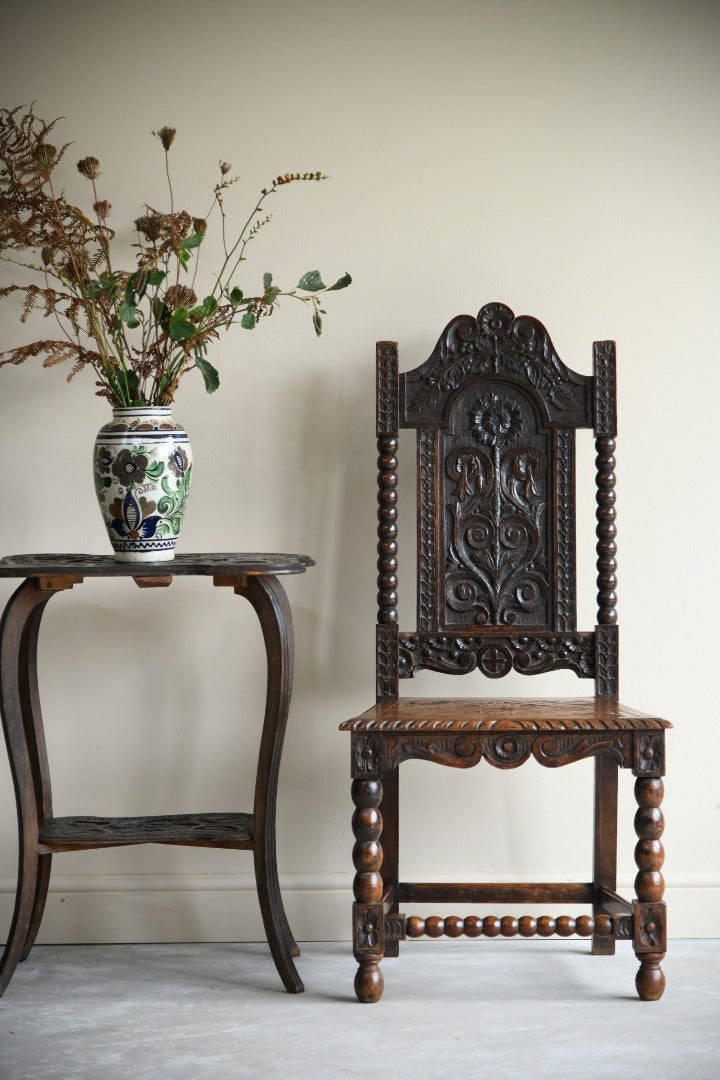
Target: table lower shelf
194,830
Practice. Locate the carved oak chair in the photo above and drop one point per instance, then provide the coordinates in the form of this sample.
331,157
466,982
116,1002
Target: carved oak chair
496,410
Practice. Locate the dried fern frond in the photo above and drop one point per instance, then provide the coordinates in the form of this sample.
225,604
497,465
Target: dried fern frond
59,353
33,294
85,359
74,311
25,352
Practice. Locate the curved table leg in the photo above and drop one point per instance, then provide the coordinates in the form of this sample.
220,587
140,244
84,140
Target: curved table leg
30,703
268,598
38,908
22,724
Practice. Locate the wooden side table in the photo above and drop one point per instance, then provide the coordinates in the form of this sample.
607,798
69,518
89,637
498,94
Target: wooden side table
41,835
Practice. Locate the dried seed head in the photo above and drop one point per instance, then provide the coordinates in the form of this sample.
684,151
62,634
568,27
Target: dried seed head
102,208
90,167
150,225
199,225
225,167
180,296
45,155
166,136
47,255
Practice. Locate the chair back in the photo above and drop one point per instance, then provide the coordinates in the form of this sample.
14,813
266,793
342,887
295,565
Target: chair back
496,410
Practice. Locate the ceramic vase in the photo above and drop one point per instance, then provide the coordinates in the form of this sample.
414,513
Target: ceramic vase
142,467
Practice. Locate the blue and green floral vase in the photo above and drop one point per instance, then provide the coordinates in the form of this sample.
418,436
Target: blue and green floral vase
143,467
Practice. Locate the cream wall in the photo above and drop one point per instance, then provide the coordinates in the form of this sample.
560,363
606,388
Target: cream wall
561,157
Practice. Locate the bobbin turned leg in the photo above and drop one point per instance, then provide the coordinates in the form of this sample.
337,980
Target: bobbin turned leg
649,935
368,922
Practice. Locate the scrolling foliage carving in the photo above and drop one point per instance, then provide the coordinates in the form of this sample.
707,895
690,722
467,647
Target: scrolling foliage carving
496,503
496,655
496,343
508,749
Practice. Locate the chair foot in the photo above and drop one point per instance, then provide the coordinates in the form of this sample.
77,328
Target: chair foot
369,981
603,946
650,979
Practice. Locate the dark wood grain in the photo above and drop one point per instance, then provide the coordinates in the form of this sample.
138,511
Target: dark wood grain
230,563
438,892
267,597
43,835
605,831
198,830
479,714
496,413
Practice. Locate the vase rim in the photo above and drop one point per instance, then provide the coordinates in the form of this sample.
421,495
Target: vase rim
141,408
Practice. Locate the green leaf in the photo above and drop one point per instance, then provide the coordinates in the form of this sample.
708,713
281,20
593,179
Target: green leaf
138,283
317,323
311,282
161,312
128,314
181,329
105,285
271,295
248,320
194,240
267,281
236,296
208,372
202,311
132,384
156,277
341,283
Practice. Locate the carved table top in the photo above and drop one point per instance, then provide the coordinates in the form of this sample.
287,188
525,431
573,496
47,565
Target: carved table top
224,564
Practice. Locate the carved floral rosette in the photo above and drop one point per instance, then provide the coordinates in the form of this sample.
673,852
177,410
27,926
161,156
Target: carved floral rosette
142,465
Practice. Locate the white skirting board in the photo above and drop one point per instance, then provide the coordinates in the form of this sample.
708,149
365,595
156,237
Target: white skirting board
214,907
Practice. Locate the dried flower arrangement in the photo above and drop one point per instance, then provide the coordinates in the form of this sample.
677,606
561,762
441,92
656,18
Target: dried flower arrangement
140,330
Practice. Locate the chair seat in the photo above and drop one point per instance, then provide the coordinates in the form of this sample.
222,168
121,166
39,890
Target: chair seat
502,714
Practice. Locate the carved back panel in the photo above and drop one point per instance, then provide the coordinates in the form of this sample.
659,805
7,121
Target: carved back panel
496,411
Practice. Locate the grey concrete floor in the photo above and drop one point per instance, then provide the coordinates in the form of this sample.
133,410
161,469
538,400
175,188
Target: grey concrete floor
470,1009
